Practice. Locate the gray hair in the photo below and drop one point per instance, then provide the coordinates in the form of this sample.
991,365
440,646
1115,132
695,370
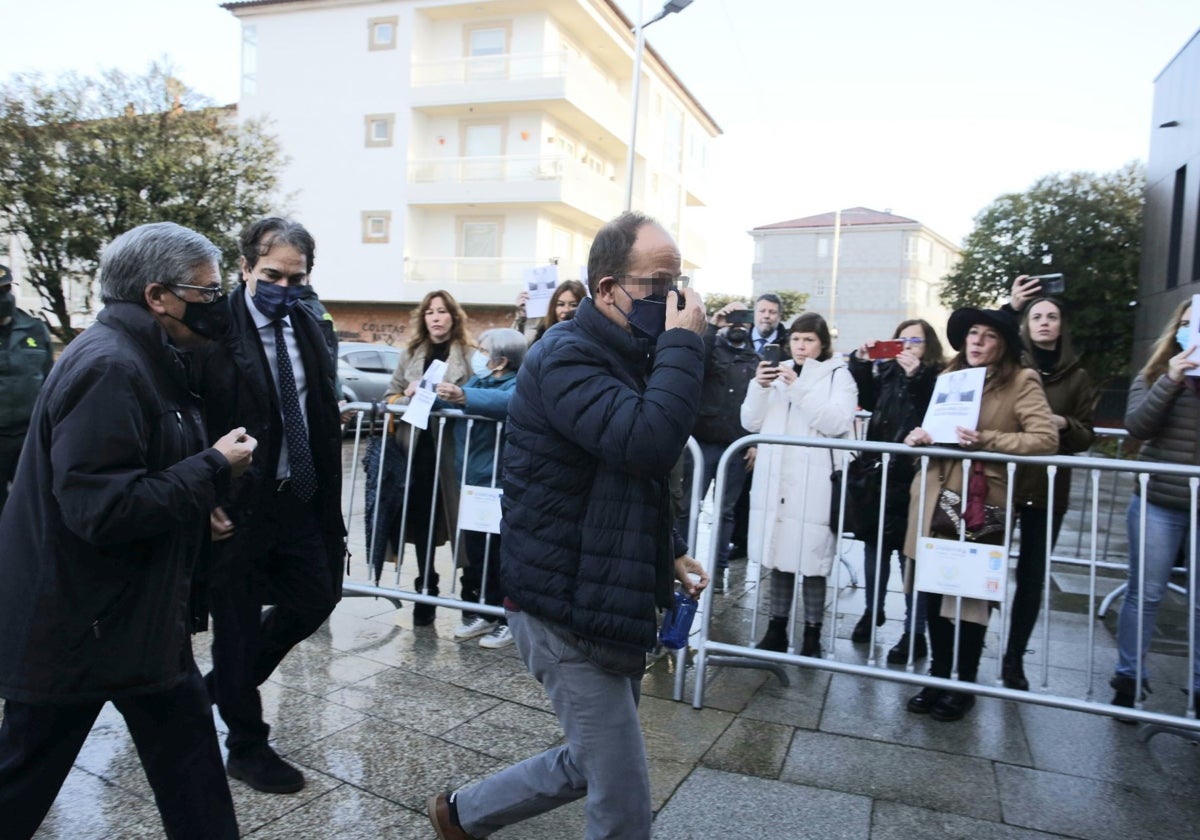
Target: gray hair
506,343
162,252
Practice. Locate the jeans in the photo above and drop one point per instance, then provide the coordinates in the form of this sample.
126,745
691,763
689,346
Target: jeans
1166,533
603,759
735,478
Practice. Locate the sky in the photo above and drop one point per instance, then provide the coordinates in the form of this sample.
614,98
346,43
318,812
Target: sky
930,108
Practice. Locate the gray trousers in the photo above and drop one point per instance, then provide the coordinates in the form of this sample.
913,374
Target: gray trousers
603,759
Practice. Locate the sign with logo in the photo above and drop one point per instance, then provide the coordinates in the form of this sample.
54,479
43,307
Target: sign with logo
965,569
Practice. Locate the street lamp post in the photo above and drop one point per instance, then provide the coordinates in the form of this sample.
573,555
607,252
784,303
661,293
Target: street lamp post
670,7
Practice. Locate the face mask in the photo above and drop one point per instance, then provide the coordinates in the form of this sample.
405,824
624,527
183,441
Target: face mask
274,300
737,336
647,316
479,364
1183,336
207,320
8,305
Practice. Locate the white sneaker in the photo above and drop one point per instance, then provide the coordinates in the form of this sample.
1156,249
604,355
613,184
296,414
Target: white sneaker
473,627
500,637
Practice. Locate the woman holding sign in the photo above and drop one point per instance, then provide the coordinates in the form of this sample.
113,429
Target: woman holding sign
1014,418
811,394
494,365
439,333
562,306
1163,411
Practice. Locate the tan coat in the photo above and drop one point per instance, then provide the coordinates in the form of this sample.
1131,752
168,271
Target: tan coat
1015,420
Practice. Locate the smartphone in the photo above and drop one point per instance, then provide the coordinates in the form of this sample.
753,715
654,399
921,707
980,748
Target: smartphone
771,353
887,349
1052,284
740,316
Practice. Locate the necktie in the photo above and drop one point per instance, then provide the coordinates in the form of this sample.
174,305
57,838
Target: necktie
304,476
761,343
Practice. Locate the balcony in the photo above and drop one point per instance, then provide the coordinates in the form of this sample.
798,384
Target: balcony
490,280
571,88
514,179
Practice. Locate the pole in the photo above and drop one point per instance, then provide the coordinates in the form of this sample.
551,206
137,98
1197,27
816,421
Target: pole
837,241
630,155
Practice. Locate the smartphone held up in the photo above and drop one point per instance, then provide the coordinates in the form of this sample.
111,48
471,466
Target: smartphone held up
888,349
771,354
1051,284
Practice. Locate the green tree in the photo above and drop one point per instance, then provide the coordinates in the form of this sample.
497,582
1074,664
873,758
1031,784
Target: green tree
1087,226
85,159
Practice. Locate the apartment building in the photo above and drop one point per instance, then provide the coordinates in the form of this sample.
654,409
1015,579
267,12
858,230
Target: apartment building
438,144
864,270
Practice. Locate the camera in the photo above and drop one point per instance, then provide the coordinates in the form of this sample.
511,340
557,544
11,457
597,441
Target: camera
1052,284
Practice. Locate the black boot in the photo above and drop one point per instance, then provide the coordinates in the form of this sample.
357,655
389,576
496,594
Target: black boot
776,636
1012,672
1125,689
812,641
424,614
862,630
898,655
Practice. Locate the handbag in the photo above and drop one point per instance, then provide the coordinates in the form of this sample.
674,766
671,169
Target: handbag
983,523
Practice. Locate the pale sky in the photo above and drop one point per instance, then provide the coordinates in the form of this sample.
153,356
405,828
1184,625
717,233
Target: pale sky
931,108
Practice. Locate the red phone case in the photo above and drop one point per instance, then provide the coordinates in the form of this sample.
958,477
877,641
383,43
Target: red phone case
889,349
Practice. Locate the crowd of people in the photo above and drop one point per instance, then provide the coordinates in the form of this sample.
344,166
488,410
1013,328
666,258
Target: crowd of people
182,460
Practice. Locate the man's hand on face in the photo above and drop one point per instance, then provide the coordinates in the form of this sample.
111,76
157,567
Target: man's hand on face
691,317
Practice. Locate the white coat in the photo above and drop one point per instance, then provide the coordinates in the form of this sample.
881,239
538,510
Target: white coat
789,499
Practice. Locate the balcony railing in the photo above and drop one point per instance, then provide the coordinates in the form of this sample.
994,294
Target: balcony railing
505,67
504,168
445,270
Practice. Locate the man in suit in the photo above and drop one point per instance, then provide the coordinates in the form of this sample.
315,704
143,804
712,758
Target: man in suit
768,312
280,535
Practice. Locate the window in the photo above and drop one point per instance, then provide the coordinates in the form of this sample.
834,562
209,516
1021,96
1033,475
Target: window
379,129
479,245
382,33
376,226
483,144
1176,241
819,287
249,60
912,244
560,246
486,48
822,247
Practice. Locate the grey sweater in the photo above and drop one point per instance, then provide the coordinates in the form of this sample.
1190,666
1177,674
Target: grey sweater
1165,415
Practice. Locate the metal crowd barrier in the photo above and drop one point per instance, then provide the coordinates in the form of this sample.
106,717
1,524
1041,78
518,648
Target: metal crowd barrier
710,652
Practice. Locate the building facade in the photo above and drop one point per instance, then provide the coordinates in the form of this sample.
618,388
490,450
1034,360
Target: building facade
1170,270
453,145
863,270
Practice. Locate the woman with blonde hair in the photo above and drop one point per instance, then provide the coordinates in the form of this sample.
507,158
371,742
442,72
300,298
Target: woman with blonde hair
439,332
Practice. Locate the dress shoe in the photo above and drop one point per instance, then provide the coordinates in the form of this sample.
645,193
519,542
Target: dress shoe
775,638
1012,672
811,645
898,655
952,705
920,704
262,769
438,808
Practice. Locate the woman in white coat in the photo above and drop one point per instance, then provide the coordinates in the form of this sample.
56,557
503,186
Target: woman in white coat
811,394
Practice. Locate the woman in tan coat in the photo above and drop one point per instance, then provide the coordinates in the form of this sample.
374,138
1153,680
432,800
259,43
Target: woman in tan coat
1014,418
439,331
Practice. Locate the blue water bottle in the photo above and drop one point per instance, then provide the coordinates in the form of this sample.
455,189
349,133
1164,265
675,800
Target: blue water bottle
677,623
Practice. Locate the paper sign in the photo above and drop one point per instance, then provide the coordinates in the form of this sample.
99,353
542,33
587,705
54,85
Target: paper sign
1195,335
422,399
966,569
955,402
479,509
540,282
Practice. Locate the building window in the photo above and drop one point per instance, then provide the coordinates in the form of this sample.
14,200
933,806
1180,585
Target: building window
376,226
249,60
819,287
480,239
379,129
560,245
486,48
382,33
1176,235
822,247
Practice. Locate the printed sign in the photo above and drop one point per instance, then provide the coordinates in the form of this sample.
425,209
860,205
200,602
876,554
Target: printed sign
966,569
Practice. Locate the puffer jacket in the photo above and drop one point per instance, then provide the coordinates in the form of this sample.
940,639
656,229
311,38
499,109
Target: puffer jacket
1166,415
107,519
25,360
1071,396
728,370
596,422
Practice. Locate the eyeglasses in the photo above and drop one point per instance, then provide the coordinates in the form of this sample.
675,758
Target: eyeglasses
208,294
657,285
912,340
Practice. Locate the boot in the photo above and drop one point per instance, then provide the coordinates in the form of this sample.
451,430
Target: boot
898,655
776,636
812,641
1125,688
424,614
1012,672
862,630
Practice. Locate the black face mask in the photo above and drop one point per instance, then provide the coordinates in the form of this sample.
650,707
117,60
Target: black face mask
737,336
8,305
207,320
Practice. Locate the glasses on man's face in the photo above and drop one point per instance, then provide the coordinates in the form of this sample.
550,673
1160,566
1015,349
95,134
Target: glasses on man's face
654,285
208,294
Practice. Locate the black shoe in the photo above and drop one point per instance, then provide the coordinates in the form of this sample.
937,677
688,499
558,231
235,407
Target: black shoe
776,636
737,552
262,769
920,704
952,705
424,614
862,630
1012,672
811,646
898,655
1126,688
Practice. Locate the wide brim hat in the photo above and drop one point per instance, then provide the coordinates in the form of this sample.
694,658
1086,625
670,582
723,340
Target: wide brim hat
5,276
1003,322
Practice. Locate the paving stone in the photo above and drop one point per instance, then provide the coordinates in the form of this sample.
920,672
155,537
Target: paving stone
345,813
413,700
894,821
751,747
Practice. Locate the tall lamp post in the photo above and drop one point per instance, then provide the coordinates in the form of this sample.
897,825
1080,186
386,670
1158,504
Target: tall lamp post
670,7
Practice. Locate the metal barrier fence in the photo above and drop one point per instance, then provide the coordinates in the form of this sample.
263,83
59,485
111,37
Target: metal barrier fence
710,652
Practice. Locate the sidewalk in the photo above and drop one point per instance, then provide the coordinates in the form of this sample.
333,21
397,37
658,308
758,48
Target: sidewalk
380,714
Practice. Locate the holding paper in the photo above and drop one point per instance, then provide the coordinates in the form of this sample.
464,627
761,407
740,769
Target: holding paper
956,399
422,399
540,282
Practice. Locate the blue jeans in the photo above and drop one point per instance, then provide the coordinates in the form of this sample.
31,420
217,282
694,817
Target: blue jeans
1166,533
735,477
603,759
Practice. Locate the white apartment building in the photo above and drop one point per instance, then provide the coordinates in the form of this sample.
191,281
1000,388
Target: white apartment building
440,144
888,269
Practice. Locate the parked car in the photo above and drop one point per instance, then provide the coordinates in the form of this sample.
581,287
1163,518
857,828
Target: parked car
365,370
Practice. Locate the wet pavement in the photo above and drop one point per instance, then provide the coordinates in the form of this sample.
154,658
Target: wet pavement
380,714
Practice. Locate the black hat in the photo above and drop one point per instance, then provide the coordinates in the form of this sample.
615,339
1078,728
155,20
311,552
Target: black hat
5,275
961,321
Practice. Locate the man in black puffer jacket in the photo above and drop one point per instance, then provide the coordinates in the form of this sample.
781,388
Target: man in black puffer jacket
602,409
